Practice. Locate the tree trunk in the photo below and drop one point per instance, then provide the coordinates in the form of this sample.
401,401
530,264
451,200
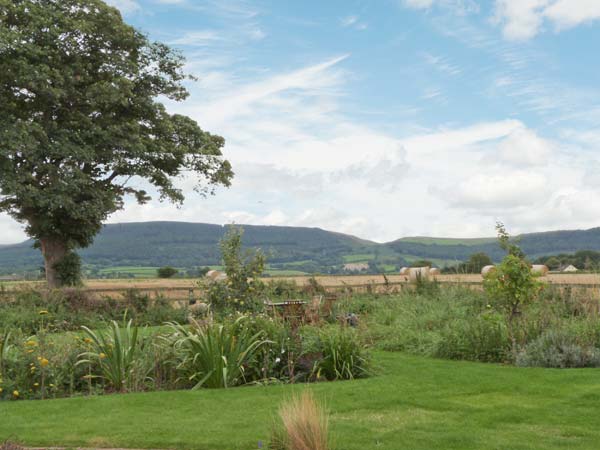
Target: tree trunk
53,251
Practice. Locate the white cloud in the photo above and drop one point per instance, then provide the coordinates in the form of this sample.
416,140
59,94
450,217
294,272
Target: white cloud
125,6
419,4
524,19
459,7
499,191
524,148
198,38
300,159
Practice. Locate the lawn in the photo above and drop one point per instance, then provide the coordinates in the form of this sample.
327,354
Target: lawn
412,403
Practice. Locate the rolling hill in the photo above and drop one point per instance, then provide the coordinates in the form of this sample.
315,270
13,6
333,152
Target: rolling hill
186,245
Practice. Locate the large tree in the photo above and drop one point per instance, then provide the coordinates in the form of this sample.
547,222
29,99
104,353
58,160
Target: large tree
80,124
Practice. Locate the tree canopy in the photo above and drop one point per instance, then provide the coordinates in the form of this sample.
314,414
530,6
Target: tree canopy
80,126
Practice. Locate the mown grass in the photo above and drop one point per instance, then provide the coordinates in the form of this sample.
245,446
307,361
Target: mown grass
412,403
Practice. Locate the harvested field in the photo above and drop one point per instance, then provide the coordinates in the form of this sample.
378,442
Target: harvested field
183,288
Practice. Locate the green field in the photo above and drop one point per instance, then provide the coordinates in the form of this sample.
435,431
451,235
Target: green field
361,257
138,272
412,403
447,241
438,262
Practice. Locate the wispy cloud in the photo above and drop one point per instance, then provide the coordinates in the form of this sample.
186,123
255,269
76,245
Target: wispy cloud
442,63
353,22
199,38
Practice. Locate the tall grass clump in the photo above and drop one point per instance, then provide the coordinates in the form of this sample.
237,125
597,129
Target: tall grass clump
304,425
338,352
215,355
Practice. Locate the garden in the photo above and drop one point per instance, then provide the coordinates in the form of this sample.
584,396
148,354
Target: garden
374,370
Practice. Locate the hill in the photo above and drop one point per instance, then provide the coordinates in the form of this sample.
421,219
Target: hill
300,249
533,244
188,245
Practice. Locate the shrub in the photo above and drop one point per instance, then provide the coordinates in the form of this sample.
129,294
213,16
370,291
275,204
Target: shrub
166,272
559,349
69,269
241,291
304,425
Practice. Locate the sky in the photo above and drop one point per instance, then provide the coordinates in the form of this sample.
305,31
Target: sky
388,118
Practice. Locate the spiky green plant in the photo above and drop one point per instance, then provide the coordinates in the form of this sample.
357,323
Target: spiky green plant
215,355
115,353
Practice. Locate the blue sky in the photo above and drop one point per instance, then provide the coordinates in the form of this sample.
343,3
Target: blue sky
389,118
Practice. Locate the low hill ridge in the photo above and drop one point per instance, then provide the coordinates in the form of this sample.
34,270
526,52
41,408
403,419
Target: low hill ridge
184,244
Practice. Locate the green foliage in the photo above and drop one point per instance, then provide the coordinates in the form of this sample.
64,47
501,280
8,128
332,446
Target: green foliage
78,123
583,260
483,337
476,262
115,352
215,355
241,290
69,269
342,354
70,308
166,272
511,285
560,349
422,263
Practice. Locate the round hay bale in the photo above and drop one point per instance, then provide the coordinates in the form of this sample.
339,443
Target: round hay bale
404,271
487,269
540,269
215,275
198,308
416,273
434,271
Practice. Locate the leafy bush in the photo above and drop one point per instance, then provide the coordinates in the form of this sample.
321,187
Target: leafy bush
69,269
559,349
241,291
166,272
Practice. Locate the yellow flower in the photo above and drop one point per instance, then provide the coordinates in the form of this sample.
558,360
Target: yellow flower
30,343
43,312
102,355
15,393
44,362
36,384
87,340
51,385
29,351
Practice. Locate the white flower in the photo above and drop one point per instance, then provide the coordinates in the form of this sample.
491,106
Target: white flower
277,360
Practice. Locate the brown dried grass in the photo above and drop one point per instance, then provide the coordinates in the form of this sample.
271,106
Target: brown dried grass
304,425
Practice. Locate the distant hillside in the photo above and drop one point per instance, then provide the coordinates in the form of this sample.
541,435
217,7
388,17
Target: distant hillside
183,244
533,244
186,245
